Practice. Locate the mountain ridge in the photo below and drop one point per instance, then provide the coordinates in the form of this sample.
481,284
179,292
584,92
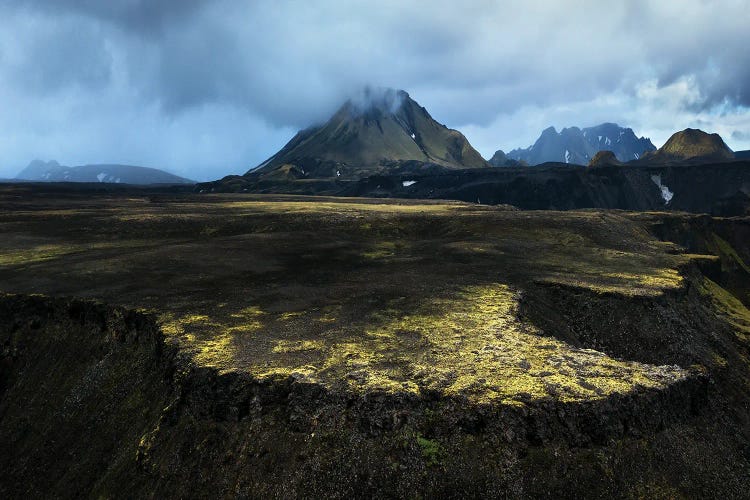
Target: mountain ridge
52,171
579,146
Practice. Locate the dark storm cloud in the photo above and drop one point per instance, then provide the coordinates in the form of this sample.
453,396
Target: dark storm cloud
274,58
47,55
162,63
141,16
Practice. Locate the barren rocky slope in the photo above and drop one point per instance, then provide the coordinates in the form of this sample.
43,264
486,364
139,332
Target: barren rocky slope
368,135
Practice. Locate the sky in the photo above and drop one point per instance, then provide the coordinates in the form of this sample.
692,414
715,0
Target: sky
207,88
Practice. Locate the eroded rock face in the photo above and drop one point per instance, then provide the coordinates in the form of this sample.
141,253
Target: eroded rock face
115,405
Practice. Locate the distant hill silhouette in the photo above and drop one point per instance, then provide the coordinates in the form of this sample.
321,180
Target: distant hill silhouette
52,171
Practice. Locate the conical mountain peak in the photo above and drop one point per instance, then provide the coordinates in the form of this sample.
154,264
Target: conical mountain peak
691,144
371,131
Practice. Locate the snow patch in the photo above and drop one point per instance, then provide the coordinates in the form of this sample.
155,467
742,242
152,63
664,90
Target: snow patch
600,138
666,194
413,136
637,156
607,141
101,176
408,183
567,156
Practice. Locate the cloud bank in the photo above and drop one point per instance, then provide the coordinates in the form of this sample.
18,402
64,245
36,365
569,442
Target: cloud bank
207,88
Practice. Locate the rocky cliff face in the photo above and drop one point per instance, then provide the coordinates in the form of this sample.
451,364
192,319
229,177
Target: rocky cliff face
93,399
376,355
574,145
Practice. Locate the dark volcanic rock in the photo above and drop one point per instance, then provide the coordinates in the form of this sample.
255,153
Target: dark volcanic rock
500,159
714,188
574,145
604,158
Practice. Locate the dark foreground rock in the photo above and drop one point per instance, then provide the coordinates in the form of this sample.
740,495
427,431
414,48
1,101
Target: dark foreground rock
94,403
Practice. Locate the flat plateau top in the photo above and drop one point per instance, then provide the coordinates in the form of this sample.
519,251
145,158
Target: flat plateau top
354,294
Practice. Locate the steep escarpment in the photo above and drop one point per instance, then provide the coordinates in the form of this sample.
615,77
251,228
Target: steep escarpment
715,188
726,238
399,349
80,383
96,404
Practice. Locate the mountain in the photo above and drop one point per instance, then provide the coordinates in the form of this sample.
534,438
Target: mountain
692,145
52,171
575,145
370,133
604,158
500,159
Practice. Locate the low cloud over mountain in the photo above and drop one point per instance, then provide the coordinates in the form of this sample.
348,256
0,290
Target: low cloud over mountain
207,87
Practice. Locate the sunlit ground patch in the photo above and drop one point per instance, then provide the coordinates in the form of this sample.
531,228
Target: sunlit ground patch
471,345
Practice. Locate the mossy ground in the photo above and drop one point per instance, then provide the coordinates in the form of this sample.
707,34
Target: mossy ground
406,314
360,295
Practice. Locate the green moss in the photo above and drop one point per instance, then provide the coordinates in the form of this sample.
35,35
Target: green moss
285,286
431,450
723,248
728,307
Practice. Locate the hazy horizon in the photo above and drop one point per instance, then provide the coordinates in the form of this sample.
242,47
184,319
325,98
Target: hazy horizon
205,89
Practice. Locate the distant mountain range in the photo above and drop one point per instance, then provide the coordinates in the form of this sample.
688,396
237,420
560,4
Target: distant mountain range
51,171
377,130
578,146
